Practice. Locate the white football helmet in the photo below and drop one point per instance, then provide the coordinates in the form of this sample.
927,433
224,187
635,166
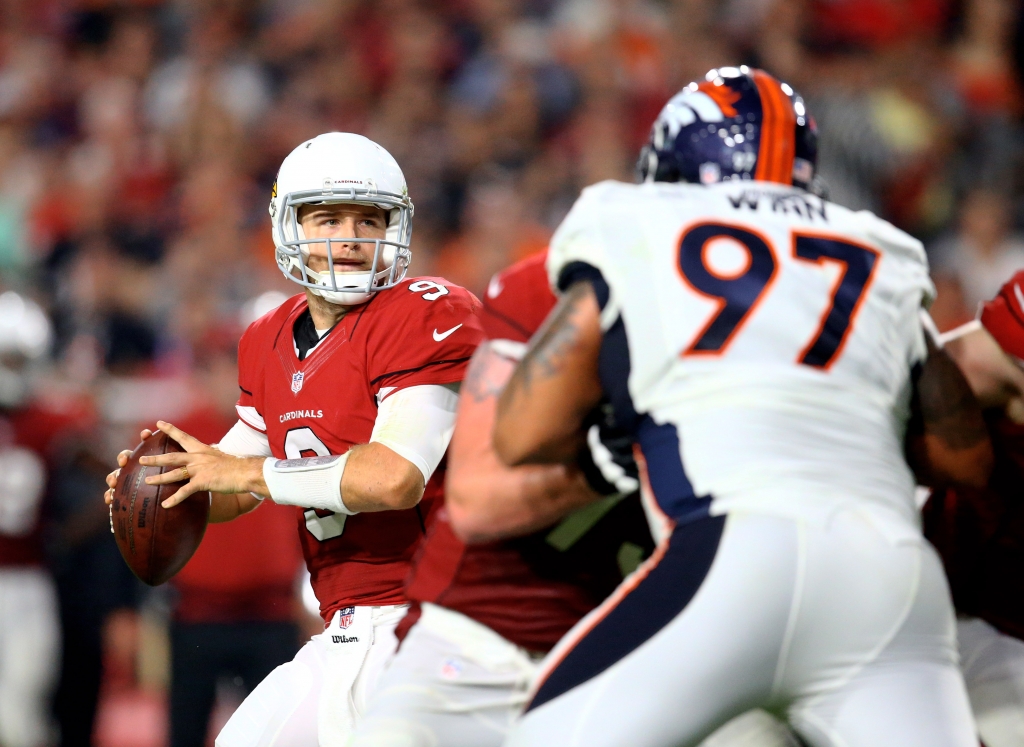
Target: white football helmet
25,335
341,167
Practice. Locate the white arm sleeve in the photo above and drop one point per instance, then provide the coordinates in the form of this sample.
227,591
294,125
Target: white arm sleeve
243,441
310,482
417,423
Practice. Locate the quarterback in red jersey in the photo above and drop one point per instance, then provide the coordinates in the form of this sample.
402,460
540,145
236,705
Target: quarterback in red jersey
348,397
980,533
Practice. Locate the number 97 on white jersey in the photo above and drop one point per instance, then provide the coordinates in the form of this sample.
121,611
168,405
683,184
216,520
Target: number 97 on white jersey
749,273
772,333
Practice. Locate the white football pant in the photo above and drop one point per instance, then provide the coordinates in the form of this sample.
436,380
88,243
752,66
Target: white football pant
29,656
457,683
845,628
453,683
993,665
314,700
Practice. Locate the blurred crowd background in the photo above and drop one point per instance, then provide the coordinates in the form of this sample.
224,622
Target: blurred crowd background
139,141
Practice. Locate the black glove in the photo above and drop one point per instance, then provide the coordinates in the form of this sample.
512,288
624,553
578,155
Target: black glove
607,458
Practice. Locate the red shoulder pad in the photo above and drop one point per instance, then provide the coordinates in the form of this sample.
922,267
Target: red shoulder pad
518,300
254,348
424,332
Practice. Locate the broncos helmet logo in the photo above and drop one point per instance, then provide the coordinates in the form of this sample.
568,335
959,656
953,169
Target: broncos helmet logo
739,123
707,102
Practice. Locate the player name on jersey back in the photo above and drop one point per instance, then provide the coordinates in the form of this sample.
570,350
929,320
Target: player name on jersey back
770,337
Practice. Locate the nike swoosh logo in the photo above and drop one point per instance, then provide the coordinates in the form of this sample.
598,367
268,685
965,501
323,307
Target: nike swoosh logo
1020,296
443,335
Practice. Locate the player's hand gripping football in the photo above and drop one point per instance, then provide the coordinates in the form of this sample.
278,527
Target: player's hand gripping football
122,460
203,466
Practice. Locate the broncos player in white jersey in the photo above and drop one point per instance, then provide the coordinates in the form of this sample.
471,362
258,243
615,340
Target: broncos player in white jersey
768,350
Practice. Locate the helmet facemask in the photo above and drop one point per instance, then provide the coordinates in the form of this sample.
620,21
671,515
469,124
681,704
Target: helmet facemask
391,254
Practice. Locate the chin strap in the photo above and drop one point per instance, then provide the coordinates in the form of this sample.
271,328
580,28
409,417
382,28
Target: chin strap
343,298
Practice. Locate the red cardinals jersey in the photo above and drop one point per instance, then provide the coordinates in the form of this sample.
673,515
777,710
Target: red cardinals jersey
532,589
980,535
423,331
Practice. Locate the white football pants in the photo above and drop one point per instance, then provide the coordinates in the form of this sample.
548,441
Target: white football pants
29,656
847,628
457,683
993,665
314,700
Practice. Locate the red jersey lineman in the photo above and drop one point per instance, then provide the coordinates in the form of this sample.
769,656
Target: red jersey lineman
347,406
550,578
29,625
483,612
980,533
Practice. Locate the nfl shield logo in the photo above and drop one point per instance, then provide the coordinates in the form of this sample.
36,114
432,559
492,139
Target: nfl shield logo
297,381
345,615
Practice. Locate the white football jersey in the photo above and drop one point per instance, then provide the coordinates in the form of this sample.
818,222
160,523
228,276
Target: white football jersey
770,339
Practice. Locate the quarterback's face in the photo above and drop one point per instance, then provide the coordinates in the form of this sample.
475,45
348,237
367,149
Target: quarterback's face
345,221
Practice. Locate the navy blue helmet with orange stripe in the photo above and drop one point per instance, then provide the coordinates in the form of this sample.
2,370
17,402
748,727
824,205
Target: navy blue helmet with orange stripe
739,123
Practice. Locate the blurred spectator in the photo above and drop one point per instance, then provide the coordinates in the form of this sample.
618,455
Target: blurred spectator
236,607
29,628
876,23
984,250
206,96
496,226
92,580
983,65
884,142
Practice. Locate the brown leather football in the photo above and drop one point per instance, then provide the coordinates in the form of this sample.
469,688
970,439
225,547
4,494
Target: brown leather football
154,541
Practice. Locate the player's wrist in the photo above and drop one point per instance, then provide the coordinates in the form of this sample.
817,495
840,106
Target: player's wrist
314,482
252,480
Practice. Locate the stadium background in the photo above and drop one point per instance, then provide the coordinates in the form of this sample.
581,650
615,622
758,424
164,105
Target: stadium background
139,141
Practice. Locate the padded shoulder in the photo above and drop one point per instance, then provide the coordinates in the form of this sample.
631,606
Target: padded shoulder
423,324
518,300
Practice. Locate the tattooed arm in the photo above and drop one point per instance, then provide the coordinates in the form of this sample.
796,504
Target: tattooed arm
485,499
947,440
541,411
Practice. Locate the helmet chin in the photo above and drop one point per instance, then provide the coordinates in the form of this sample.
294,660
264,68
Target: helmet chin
353,286
342,298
